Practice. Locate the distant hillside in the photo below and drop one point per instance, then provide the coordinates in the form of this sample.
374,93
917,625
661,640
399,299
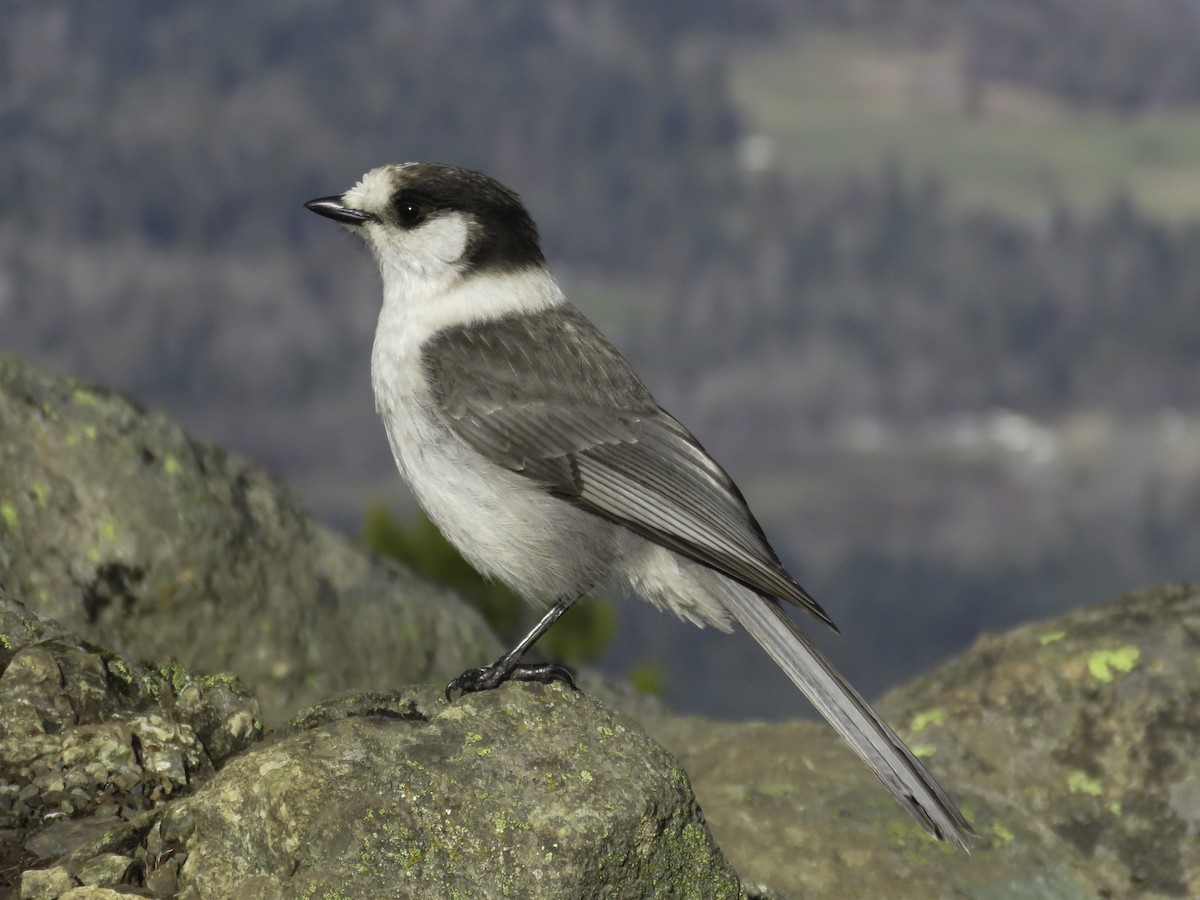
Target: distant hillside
823,103
1126,55
199,127
874,297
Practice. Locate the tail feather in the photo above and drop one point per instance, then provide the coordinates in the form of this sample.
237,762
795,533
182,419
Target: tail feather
850,715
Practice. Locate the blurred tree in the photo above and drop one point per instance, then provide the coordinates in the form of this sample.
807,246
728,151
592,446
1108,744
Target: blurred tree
647,677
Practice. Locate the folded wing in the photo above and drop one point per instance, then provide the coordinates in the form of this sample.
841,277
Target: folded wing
548,397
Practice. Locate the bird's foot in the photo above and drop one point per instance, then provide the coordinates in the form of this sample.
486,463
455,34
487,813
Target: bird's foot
485,678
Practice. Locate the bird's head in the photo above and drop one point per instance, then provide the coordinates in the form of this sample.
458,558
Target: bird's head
434,223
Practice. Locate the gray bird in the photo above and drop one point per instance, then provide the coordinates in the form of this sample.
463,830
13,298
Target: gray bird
540,454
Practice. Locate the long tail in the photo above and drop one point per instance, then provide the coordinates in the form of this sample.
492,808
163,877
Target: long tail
850,715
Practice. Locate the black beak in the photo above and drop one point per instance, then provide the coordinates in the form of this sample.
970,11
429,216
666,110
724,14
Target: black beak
333,208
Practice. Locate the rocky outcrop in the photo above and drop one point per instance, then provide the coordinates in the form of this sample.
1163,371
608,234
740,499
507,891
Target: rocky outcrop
117,774
527,792
121,527
93,745
1089,725
1072,745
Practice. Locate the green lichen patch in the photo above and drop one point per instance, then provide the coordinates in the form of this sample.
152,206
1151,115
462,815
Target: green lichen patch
84,397
1103,664
1079,782
921,721
1002,836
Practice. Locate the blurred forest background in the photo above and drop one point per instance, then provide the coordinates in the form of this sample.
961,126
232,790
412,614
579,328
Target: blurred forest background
924,275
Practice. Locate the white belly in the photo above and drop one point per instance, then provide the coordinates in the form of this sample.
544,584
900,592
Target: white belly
504,524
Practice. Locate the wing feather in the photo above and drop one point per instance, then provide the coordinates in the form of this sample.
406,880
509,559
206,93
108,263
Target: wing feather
548,397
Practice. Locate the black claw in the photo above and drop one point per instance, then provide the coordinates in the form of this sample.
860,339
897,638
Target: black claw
546,673
486,678
483,678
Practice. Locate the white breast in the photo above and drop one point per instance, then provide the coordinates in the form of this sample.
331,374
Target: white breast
503,523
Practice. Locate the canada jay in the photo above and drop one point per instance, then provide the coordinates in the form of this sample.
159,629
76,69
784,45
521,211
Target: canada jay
542,457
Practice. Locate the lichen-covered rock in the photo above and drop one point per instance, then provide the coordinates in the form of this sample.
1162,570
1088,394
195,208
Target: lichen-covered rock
84,731
46,884
795,811
121,527
1089,725
527,791
112,855
92,745
1072,745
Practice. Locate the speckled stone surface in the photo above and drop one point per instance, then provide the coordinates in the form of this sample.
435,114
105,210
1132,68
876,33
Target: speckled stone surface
1073,746
528,791
124,529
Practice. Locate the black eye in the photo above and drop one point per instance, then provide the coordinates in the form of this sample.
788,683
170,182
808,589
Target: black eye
409,212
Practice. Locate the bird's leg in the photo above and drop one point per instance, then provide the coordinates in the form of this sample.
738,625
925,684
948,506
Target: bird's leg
509,666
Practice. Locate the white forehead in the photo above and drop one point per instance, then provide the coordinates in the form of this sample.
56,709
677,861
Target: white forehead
374,190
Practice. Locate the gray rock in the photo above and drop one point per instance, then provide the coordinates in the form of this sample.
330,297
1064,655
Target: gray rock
796,812
1089,725
122,528
90,741
527,791
162,877
46,884
83,730
103,870
63,836
1072,745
